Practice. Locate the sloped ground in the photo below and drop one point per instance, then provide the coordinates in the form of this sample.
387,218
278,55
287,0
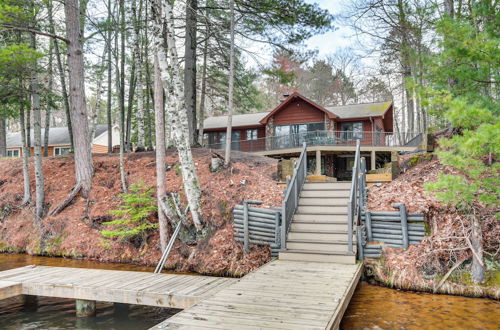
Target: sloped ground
422,266
75,231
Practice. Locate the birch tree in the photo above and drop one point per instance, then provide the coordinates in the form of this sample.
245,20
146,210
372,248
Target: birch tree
37,132
227,156
172,82
161,189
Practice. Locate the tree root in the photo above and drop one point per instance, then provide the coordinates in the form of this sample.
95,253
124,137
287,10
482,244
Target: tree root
74,192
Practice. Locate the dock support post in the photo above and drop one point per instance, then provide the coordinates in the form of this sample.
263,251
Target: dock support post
373,163
85,308
121,308
318,162
29,302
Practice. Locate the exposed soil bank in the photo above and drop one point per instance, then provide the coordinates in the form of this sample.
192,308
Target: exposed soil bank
75,231
422,266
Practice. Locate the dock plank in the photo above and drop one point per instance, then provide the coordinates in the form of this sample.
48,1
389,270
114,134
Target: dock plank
280,295
161,290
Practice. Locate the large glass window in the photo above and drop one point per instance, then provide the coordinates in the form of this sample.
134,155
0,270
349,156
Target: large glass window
352,131
291,136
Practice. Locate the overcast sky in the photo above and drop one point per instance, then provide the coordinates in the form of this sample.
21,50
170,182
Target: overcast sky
331,41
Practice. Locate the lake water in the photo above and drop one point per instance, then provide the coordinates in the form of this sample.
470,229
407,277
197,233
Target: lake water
372,307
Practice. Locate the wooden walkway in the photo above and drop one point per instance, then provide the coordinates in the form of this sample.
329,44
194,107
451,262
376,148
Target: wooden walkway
140,288
280,295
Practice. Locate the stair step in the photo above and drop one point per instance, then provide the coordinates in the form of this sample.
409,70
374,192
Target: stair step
325,193
318,235
326,186
300,255
308,245
323,201
322,209
311,217
311,225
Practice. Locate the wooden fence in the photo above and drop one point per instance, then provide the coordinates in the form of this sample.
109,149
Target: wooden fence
393,228
254,225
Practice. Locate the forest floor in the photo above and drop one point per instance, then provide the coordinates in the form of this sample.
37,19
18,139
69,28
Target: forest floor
422,266
75,232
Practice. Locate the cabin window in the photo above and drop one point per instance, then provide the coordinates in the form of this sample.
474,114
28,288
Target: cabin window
59,151
352,131
252,134
13,153
216,137
294,135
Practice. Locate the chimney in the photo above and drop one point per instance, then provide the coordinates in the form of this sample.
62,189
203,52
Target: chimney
285,96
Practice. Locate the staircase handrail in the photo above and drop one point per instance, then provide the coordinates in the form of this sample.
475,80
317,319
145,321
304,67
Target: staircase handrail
357,195
290,202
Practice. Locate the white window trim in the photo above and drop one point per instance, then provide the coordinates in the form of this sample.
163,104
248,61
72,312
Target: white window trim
14,149
55,154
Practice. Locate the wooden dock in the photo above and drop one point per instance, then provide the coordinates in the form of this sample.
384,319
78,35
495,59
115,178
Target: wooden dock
128,287
280,295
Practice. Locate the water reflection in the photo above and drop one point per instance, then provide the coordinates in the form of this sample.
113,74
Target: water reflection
57,313
374,307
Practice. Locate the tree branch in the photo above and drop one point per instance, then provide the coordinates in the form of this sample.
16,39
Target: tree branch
50,35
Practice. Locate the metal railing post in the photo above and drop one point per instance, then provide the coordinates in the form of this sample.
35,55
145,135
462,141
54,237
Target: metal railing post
283,225
404,223
246,244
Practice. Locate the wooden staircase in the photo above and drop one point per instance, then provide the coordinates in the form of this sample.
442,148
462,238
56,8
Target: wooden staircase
319,229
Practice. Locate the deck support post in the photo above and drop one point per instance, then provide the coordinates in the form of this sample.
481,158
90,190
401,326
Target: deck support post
318,162
29,301
85,308
373,163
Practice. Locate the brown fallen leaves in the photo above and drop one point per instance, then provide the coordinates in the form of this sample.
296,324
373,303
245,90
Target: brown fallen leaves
75,231
418,267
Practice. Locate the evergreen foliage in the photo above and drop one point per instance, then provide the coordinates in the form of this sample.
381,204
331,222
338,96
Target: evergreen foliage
134,215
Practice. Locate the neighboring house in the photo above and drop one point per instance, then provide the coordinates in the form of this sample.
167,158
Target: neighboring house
59,142
330,132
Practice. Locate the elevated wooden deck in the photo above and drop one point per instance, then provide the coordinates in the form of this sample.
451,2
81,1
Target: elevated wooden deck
140,288
280,295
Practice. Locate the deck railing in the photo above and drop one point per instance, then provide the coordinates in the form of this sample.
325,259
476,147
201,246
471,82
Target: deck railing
357,195
291,200
325,138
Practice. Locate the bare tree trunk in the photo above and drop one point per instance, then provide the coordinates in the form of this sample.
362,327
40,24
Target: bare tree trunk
62,77
131,92
95,110
3,137
108,101
28,130
170,72
477,272
190,68
48,109
203,87
78,106
227,156
37,132
120,79
26,172
161,188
